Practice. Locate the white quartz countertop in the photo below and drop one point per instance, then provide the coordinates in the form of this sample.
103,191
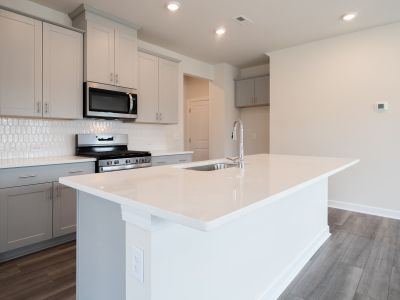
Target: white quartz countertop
42,161
167,152
205,200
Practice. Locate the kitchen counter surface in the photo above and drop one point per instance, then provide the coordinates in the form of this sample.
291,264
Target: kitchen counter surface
42,161
167,152
205,200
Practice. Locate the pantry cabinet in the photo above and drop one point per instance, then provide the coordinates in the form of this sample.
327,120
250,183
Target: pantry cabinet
158,90
20,65
40,69
252,92
62,72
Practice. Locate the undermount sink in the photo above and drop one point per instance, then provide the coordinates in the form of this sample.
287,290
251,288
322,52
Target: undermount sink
212,167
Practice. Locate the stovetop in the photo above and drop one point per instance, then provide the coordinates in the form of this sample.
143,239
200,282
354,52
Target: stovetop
110,152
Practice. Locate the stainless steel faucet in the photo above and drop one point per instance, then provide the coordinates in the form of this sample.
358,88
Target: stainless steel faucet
239,123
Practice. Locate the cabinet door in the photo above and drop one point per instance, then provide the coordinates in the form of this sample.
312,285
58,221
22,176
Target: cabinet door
64,209
168,91
126,58
62,72
25,215
20,65
100,53
261,91
245,92
148,89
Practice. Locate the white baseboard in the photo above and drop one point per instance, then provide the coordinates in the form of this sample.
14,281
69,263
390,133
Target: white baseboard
365,209
278,286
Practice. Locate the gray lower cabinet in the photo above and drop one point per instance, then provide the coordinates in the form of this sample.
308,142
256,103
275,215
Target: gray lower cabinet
64,209
34,207
26,215
171,159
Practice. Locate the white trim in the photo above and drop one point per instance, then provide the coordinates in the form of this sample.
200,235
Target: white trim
277,287
365,209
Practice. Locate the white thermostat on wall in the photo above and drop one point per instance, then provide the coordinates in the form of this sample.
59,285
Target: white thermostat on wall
381,106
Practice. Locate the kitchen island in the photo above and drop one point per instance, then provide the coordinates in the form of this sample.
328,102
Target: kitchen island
172,233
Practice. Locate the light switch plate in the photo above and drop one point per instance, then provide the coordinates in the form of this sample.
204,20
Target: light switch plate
137,262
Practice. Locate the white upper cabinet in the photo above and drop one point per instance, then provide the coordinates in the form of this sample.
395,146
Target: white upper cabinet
148,89
126,57
158,90
111,50
168,91
100,62
62,72
20,65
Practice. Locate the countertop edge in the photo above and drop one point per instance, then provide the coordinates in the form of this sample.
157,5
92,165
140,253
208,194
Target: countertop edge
51,161
205,226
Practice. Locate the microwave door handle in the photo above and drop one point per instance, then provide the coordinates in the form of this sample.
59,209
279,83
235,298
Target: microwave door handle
131,103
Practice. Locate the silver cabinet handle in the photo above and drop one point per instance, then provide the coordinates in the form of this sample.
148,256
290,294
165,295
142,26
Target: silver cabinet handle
76,171
130,102
46,108
27,176
157,117
38,108
116,78
111,77
160,116
182,160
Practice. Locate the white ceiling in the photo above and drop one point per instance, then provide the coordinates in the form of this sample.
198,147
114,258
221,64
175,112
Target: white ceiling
277,23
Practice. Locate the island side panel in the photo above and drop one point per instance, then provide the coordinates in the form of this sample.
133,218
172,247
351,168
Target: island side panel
254,257
100,249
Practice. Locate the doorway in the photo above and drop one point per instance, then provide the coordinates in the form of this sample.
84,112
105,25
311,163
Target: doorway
196,91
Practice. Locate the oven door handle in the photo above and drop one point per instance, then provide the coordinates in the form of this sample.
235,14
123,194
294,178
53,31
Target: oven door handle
130,103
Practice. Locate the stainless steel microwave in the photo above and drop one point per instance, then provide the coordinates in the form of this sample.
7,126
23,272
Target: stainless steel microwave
109,102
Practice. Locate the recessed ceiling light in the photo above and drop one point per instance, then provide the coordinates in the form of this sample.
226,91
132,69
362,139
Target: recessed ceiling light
349,17
220,31
173,6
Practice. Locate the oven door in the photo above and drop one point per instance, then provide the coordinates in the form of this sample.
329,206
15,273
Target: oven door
110,102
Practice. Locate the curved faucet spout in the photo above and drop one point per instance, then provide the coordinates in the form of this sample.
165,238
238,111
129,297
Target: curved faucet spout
241,147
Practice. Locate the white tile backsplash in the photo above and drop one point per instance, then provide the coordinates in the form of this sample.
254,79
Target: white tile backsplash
29,138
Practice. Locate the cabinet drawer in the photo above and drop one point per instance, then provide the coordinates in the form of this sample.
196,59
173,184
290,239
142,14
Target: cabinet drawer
171,159
40,174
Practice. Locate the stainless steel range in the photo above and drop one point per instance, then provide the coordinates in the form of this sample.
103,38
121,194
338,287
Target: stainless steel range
111,152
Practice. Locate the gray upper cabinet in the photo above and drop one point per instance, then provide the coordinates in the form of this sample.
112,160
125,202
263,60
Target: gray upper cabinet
62,72
25,215
41,69
252,92
158,90
20,65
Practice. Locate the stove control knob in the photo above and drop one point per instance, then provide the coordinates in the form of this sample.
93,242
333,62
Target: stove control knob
109,163
116,162
128,161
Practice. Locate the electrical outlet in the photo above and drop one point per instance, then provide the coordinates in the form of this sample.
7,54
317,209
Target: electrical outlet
138,264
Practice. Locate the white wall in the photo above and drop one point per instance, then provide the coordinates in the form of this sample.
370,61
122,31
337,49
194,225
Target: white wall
322,103
223,112
255,119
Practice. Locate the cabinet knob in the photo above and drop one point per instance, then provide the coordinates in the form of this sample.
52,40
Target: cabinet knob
116,78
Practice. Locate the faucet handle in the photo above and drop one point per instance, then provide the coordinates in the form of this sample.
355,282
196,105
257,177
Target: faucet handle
234,159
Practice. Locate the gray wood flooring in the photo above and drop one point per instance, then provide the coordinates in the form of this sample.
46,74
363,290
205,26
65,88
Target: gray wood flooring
360,261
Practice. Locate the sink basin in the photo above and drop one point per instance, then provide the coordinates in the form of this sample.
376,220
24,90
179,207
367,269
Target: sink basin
212,167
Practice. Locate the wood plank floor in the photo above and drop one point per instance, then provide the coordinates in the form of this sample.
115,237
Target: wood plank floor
361,261
49,274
